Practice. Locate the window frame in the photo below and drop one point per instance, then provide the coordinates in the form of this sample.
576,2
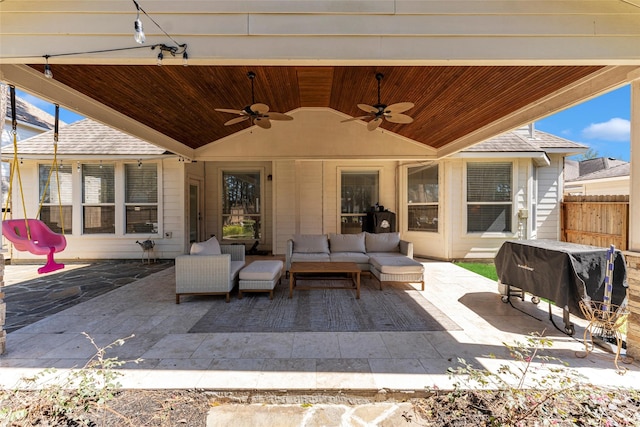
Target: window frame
68,227
511,202
126,204
260,206
84,204
410,203
346,169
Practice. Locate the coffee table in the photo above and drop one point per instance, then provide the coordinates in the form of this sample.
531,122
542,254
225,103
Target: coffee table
350,268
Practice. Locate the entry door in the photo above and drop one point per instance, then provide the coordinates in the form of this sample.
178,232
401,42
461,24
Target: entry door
195,216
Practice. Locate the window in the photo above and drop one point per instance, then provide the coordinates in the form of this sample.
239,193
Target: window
489,198
359,192
141,198
241,216
56,210
422,198
98,199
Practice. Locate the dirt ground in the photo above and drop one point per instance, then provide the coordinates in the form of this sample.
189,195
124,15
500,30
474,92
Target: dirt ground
589,406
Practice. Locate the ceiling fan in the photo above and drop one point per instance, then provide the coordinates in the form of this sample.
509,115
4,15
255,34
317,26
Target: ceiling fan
392,113
258,113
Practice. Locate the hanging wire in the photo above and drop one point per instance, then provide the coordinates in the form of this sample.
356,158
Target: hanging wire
156,24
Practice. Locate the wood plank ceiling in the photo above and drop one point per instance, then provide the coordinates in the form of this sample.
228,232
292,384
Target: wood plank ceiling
450,101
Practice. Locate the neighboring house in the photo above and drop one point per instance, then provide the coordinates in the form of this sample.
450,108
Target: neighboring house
31,121
597,177
123,189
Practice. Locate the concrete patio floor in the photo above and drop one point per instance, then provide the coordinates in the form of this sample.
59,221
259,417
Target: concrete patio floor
292,361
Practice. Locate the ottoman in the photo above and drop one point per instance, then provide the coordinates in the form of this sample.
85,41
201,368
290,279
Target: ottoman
396,269
260,276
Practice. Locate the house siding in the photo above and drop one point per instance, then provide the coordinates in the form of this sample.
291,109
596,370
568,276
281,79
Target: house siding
110,246
549,196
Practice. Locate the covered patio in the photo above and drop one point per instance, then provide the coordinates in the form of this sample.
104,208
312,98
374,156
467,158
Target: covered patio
473,70
177,353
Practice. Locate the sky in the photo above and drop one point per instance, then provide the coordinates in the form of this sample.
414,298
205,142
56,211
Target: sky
602,123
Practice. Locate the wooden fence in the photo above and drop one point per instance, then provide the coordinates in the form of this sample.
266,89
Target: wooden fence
596,220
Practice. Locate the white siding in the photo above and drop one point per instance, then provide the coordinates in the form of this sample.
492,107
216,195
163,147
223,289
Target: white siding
110,246
310,193
284,179
549,195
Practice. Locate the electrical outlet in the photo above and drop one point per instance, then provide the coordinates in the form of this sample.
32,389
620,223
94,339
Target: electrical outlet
168,234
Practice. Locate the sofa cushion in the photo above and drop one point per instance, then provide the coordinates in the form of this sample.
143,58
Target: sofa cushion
209,247
347,242
383,242
302,257
396,265
310,243
357,257
262,270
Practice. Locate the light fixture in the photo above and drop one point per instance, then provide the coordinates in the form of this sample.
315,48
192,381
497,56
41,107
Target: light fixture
78,166
138,35
185,58
160,57
47,68
139,163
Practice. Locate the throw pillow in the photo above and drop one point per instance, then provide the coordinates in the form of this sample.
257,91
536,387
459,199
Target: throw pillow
383,242
311,243
209,247
347,242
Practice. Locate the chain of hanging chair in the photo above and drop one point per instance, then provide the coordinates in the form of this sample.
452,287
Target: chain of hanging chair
15,168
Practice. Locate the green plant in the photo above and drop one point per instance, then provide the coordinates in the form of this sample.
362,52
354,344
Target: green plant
65,399
487,270
533,389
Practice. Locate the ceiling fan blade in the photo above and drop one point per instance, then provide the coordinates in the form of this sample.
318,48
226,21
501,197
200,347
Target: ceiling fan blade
368,108
236,120
373,124
263,122
278,116
260,108
226,110
354,118
399,118
400,107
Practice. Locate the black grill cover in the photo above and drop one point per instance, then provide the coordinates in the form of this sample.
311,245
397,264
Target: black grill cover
559,271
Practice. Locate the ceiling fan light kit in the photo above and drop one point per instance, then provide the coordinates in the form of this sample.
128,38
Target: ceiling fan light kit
392,113
257,113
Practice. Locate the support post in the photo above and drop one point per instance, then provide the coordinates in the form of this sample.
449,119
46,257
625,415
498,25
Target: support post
633,255
3,308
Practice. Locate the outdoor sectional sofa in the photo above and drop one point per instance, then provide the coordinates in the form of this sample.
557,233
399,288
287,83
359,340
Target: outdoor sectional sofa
209,269
385,255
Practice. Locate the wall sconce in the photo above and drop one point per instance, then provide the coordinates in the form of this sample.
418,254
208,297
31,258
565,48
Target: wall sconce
269,177
139,163
78,166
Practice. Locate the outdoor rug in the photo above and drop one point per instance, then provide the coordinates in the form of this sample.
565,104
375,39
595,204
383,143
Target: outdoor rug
397,307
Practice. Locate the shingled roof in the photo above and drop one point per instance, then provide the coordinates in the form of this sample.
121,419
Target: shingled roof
30,114
519,140
88,138
599,168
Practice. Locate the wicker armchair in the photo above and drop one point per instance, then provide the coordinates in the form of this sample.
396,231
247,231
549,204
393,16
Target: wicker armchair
209,274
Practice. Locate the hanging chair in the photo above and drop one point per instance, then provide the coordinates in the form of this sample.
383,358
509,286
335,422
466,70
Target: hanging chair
33,235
